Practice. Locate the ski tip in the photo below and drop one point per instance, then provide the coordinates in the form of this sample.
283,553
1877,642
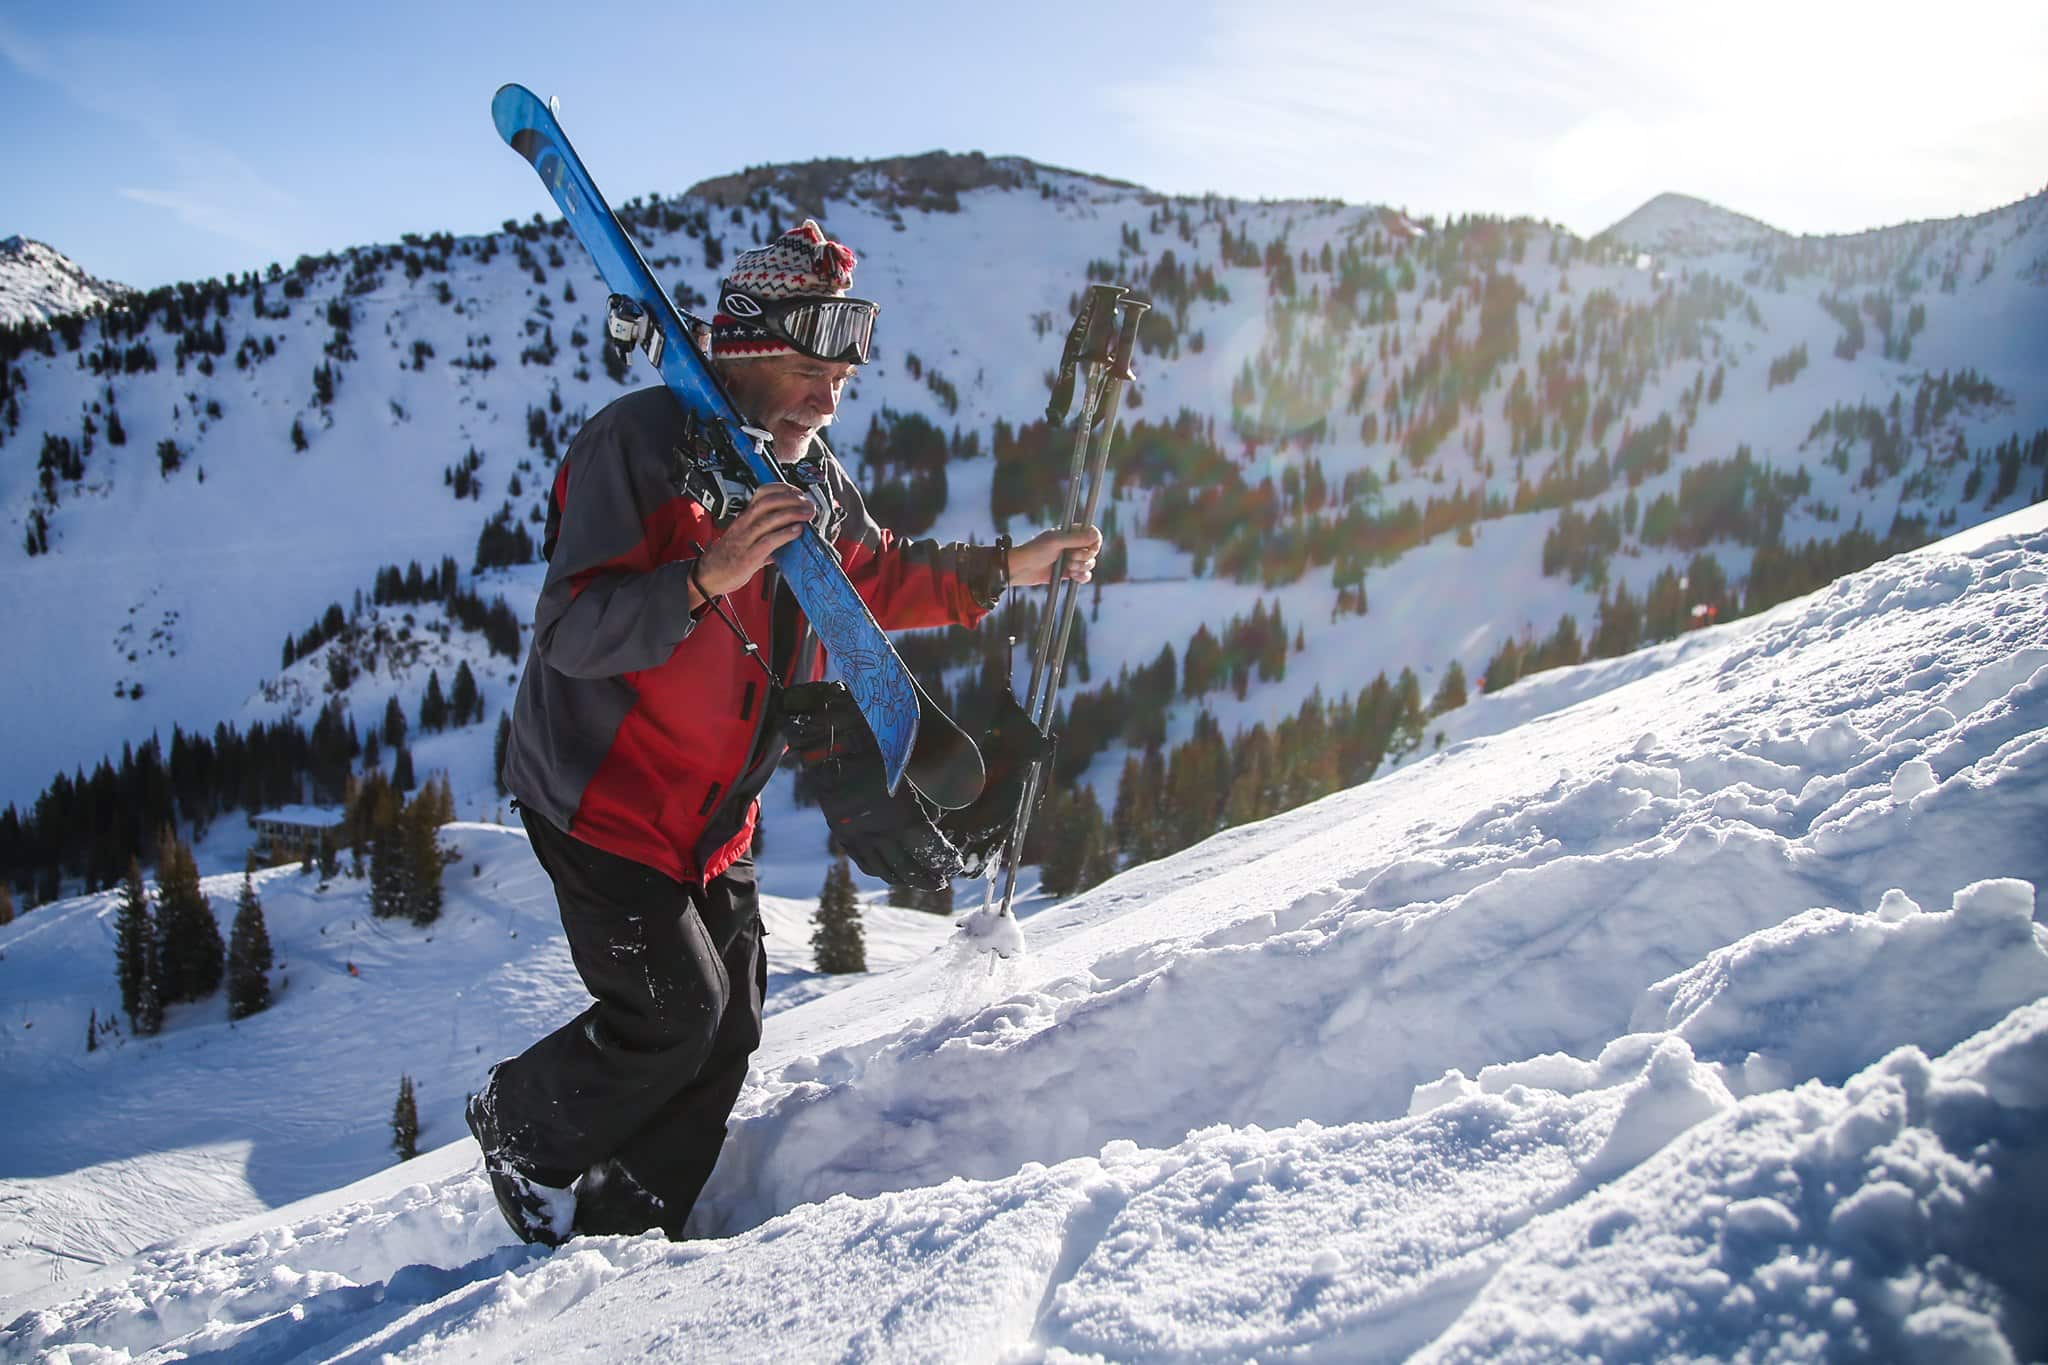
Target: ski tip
950,782
511,109
944,764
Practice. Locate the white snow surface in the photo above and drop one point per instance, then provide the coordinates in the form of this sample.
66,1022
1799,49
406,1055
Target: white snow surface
1684,1006
1681,223
38,283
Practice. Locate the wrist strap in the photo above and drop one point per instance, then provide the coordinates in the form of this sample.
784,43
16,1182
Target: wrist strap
747,646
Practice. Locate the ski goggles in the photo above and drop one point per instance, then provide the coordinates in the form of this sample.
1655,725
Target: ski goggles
839,331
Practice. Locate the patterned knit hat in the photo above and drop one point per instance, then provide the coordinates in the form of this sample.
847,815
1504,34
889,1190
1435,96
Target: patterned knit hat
802,262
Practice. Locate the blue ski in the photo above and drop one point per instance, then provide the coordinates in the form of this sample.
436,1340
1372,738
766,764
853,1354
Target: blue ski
916,738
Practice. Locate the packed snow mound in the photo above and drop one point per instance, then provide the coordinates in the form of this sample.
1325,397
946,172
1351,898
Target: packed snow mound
37,283
1705,1017
1682,225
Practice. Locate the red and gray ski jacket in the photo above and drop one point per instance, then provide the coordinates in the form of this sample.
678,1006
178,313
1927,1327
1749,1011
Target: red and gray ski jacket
648,732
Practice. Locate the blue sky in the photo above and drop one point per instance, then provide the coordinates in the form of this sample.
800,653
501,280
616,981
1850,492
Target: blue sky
156,142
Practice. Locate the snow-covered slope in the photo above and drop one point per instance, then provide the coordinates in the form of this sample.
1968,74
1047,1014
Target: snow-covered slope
1698,1012
208,1121
1682,224
37,283
443,349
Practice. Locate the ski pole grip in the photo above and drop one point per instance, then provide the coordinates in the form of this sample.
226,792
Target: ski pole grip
1100,309
1087,347
1127,340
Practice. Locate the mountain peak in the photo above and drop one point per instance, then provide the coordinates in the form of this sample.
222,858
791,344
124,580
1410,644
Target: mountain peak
1683,223
924,180
38,282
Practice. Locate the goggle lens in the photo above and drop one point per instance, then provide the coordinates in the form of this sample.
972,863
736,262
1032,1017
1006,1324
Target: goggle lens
838,330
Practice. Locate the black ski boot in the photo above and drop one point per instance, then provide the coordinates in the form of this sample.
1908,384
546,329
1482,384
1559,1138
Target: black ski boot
611,1203
536,1209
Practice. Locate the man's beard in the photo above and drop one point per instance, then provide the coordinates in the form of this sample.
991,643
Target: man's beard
792,450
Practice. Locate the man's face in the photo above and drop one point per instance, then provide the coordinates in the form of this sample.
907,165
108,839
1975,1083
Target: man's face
792,396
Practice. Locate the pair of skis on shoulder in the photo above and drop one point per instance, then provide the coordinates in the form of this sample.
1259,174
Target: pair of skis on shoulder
918,741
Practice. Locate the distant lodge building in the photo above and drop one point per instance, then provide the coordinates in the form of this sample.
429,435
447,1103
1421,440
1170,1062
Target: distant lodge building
292,833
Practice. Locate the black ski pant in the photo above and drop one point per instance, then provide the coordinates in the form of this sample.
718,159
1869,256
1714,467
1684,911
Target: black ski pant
648,1075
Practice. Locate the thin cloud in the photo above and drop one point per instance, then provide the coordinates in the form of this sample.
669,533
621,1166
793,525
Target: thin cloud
207,186
208,213
1820,118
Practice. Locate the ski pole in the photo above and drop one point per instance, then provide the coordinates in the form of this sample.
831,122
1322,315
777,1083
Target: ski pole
1090,344
1108,372
1119,374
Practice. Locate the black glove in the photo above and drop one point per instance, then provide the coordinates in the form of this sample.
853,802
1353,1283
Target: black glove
887,836
1008,752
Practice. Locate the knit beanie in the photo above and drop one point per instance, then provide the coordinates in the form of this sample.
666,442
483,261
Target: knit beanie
801,262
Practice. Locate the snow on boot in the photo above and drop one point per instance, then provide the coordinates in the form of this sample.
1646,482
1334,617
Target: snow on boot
535,1210
611,1203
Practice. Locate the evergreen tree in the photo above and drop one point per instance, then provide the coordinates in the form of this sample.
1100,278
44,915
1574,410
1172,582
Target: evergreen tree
405,1122
1564,648
1137,824
148,1019
1504,668
134,935
1254,792
402,778
463,701
1664,608
1450,693
433,706
837,940
394,724
190,951
387,871
375,812
421,851
248,955
1621,625
1197,781
92,1032
1076,854
6,902
1410,718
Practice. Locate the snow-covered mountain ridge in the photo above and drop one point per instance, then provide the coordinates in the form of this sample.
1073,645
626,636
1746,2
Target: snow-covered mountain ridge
1690,1004
1682,225
928,180
1318,374
38,283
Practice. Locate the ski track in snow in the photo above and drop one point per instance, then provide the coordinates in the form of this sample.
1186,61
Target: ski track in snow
1700,1014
